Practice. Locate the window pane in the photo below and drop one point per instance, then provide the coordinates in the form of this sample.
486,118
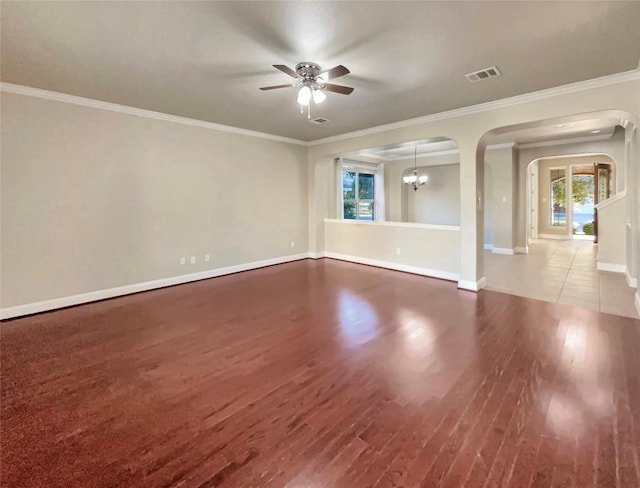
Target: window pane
349,186
582,190
603,184
365,210
558,198
350,210
365,190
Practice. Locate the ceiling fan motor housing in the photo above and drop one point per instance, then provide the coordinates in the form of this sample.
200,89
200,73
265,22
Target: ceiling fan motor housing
308,71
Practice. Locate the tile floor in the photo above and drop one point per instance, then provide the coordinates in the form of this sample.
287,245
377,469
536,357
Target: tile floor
561,272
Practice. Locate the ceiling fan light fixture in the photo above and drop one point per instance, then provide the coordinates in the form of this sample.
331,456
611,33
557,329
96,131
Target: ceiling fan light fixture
318,96
304,95
311,83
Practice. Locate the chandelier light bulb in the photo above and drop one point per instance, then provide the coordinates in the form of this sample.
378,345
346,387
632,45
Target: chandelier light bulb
409,179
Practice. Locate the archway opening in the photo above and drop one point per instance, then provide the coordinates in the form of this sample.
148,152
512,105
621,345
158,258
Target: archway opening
546,180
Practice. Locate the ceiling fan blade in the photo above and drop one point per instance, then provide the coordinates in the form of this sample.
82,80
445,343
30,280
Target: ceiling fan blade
276,86
332,73
286,70
345,90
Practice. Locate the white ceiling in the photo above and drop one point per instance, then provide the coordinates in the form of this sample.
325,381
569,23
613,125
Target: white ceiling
206,60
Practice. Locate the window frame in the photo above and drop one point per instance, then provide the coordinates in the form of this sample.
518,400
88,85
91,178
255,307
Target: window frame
377,170
566,197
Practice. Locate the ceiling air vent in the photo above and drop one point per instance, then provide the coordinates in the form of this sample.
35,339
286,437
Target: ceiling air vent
483,74
319,120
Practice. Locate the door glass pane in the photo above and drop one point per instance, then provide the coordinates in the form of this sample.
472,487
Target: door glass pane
348,186
558,197
582,189
365,189
603,184
350,210
365,210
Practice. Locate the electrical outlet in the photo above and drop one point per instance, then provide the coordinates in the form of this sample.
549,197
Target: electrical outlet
397,251
193,260
293,244
183,260
207,258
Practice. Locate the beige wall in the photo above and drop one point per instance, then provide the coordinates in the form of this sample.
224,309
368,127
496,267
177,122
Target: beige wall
500,192
612,239
438,201
469,130
397,193
430,250
614,147
94,199
544,192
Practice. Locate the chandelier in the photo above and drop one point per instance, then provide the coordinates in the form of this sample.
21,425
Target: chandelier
415,181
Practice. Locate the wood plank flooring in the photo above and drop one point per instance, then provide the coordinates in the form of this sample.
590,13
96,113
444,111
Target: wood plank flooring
320,373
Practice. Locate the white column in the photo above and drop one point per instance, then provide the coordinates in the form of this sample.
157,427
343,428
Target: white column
471,215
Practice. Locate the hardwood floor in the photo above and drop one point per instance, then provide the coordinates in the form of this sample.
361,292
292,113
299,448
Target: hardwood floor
320,373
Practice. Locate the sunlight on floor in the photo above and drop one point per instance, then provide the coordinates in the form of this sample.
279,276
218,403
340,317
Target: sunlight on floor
560,272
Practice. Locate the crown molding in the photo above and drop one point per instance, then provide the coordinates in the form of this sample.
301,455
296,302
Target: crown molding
472,109
560,142
447,152
149,114
484,107
433,154
503,145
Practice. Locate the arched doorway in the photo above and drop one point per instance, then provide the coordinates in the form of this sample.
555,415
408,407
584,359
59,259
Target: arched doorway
519,209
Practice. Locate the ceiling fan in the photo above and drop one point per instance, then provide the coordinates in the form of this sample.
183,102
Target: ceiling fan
312,82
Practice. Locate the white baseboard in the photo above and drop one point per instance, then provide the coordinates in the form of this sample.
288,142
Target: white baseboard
472,285
45,305
315,255
433,273
636,302
614,268
556,236
488,247
632,282
522,250
502,250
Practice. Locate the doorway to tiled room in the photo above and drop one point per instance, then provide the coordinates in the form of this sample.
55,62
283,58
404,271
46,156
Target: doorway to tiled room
557,218
561,272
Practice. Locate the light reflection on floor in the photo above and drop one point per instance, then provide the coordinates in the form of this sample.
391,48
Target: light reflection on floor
357,319
418,334
586,397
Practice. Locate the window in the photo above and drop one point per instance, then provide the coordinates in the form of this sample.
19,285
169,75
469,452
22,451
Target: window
558,193
358,194
360,190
